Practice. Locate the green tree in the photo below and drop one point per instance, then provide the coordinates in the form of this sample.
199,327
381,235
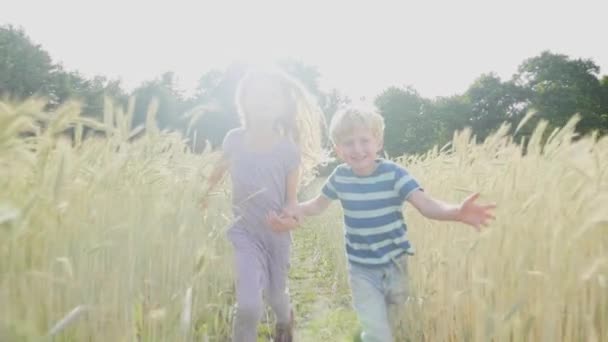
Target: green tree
171,105
25,68
604,106
409,126
72,85
560,87
494,102
450,114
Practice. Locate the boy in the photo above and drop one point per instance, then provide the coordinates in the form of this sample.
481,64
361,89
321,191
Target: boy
372,192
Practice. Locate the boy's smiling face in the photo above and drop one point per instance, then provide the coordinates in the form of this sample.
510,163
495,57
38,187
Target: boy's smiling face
359,149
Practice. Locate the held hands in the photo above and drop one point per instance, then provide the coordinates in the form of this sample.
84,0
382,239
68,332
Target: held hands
475,214
287,220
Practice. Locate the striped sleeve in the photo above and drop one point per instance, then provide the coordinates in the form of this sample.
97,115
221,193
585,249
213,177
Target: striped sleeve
329,189
405,184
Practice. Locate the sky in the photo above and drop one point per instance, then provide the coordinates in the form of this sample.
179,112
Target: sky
360,47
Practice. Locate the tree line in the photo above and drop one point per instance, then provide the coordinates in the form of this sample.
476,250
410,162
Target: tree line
554,86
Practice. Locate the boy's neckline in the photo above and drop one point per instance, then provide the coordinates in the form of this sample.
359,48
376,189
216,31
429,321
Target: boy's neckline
378,162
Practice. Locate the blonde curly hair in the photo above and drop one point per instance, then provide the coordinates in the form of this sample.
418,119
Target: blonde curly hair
303,122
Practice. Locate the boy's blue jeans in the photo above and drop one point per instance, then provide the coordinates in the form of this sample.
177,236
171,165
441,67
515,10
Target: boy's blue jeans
379,296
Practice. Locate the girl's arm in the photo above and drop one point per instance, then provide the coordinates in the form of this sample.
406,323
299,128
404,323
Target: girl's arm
290,215
467,212
293,180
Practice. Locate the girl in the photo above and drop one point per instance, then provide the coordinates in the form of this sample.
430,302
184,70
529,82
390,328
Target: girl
279,140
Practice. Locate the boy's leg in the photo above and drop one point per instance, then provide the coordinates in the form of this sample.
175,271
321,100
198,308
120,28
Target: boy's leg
369,302
250,271
398,291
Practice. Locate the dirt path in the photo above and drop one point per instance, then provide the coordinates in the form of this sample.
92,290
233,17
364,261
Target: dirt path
322,309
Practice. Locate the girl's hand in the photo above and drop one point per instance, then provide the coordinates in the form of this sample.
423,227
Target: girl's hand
475,214
281,223
294,211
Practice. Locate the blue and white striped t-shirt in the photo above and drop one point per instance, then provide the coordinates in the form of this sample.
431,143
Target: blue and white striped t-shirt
375,229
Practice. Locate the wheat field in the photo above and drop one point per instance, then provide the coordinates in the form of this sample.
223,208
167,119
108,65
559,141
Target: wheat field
102,239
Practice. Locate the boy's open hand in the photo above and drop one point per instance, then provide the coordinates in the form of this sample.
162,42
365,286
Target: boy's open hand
475,214
282,222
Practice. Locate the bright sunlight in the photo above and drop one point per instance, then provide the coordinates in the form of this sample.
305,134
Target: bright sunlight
397,171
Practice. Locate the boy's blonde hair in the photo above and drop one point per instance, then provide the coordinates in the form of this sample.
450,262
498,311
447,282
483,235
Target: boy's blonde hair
346,121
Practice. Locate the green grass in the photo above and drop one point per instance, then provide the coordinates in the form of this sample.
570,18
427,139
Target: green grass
322,301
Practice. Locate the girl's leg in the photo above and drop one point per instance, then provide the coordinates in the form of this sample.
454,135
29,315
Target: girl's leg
250,270
370,304
277,291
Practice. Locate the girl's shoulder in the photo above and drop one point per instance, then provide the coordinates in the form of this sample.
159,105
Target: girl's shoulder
232,141
232,138
234,133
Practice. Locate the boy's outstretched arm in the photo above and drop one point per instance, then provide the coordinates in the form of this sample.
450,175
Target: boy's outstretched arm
315,206
468,211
